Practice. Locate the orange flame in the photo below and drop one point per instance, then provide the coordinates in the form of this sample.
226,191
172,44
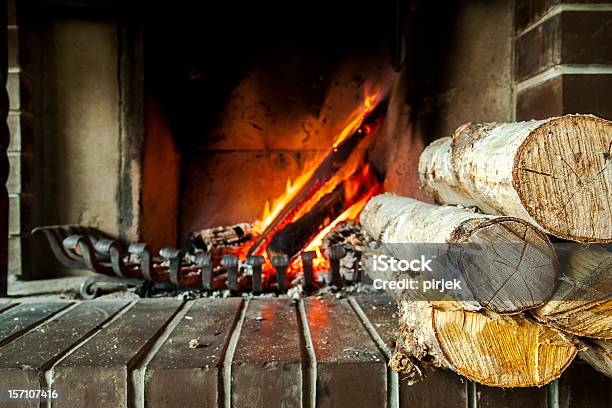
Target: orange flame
371,98
359,186
270,212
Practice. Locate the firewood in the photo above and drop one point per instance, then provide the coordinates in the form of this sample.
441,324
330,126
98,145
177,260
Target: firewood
582,302
555,173
295,235
491,349
515,270
220,237
598,353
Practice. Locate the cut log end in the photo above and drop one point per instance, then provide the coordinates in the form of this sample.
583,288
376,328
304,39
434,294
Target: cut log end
582,302
563,176
484,349
514,267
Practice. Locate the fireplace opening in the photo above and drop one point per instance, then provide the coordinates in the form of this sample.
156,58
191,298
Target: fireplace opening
240,134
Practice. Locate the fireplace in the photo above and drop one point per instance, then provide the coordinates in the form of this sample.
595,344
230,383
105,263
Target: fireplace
215,130
187,150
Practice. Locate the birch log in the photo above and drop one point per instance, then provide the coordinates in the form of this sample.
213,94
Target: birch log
598,353
515,270
495,350
582,302
555,173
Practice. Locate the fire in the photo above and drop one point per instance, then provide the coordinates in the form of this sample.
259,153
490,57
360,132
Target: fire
370,101
270,213
341,170
321,262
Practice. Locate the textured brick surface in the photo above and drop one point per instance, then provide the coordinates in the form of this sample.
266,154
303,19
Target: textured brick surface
570,37
489,397
20,175
96,374
529,11
351,371
268,363
24,361
575,93
381,310
177,368
21,128
267,366
582,386
20,318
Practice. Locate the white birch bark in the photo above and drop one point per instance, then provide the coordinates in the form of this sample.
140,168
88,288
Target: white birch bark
555,173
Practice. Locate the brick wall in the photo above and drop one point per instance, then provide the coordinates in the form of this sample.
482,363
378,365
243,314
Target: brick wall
563,58
20,122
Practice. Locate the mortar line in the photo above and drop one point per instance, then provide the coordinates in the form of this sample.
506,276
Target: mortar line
7,306
558,9
393,383
564,69
472,394
226,376
553,394
48,378
137,366
309,382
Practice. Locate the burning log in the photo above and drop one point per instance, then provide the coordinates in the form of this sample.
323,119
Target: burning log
491,349
219,237
333,161
294,236
515,268
598,353
582,303
555,173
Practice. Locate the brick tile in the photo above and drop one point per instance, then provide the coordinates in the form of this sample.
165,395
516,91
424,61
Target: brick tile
20,174
345,352
21,318
176,367
491,397
381,310
20,214
96,374
564,94
582,386
529,11
570,37
24,361
19,89
267,364
21,129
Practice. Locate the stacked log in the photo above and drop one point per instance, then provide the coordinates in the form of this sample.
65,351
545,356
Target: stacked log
521,273
582,302
496,350
555,173
503,187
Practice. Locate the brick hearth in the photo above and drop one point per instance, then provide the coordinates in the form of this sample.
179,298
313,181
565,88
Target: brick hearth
256,353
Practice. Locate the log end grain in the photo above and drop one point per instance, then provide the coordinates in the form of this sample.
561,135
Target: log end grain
563,175
508,265
505,352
